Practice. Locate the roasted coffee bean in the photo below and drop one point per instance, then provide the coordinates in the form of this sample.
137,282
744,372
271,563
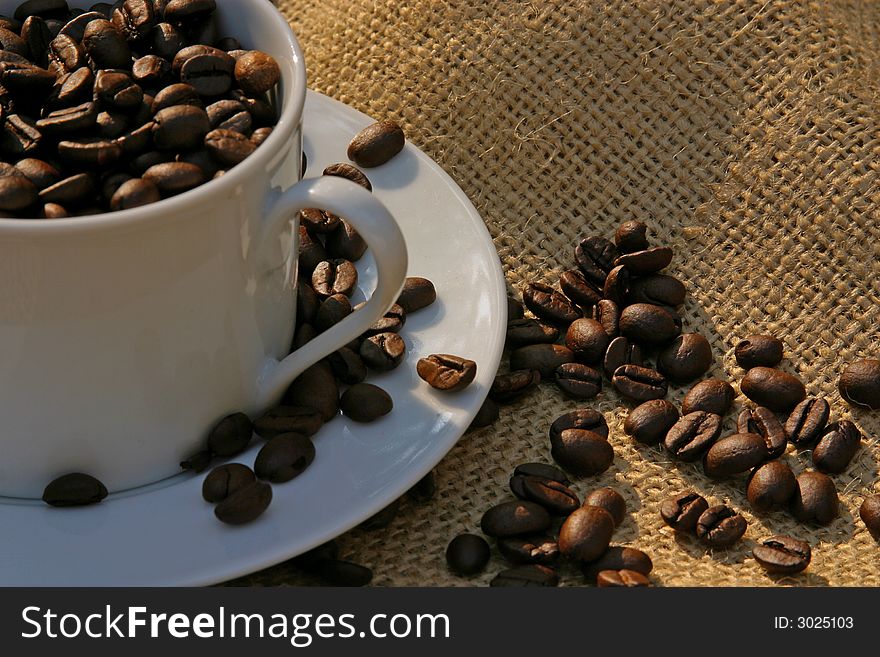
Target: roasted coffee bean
513,518
53,211
577,288
134,19
225,480
424,489
618,558
12,42
311,252
578,381
307,303
37,35
734,454
181,128
447,372
256,73
647,261
720,526
587,339
175,95
649,422
188,12
617,285
75,489
284,457
586,534
230,115
544,358
550,305
70,191
467,554
759,351
487,415
693,435
111,125
345,242
376,144
76,26
16,193
648,324
333,310
90,153
135,193
783,555
639,383
231,435
229,147
382,519
712,396
815,499
262,112
621,352
315,387
150,70
319,221
365,402
631,236
657,289
198,462
621,579
771,486
682,511
539,549
344,573
41,173
166,41
106,46
777,390
417,293
143,163
335,277
686,358
869,512
347,366
117,90
837,447
19,137
582,418
245,505
42,8
382,352
523,332
111,184
350,172
510,387
174,177
137,141
526,576
610,500
391,322
582,452
807,421
595,257
607,313
303,420
859,384
558,499
763,422
542,470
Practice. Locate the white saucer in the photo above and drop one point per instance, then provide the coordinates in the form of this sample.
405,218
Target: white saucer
166,534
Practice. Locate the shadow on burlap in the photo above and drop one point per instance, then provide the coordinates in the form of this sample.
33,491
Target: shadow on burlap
747,136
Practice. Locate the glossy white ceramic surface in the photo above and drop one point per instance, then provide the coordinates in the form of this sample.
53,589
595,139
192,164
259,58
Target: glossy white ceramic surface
167,535
125,337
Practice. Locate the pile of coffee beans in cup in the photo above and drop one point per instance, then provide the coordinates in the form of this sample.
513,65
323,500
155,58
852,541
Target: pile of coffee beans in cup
608,320
123,104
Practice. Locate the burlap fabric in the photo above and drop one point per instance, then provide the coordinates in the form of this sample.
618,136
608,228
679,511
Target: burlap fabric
746,134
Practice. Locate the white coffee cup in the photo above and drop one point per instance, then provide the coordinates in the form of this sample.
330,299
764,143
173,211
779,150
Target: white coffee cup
125,337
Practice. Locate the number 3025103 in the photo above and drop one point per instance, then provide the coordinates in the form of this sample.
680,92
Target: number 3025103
814,622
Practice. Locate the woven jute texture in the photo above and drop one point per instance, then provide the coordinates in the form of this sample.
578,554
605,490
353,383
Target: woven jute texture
745,134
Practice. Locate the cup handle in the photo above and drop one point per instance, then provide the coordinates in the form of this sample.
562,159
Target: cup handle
383,237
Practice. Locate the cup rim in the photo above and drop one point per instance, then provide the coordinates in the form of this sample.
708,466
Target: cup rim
293,84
